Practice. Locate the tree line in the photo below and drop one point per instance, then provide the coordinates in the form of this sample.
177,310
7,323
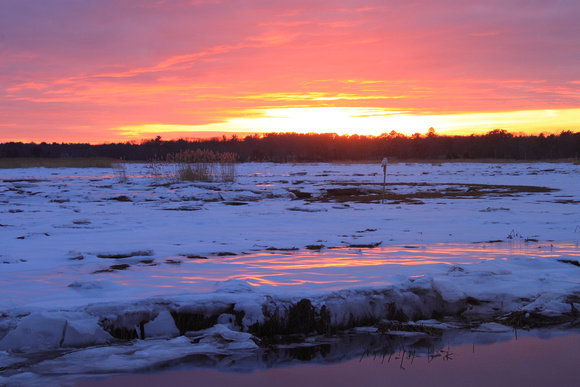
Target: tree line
315,147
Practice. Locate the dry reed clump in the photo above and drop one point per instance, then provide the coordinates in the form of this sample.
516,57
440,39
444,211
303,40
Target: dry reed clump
203,165
157,169
120,169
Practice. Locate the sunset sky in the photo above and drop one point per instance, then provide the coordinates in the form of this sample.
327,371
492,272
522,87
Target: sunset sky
118,70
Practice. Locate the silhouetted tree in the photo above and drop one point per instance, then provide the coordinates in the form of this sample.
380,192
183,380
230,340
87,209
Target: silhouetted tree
296,147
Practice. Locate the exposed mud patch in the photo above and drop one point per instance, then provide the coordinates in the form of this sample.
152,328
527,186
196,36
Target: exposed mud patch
192,256
120,255
272,248
122,198
570,261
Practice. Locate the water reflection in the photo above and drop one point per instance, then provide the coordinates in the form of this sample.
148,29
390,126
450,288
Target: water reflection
290,271
458,359
334,269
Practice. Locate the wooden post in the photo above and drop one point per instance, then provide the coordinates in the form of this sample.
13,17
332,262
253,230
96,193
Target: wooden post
384,164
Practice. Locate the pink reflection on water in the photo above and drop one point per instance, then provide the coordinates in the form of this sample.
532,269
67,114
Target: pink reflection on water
303,270
331,269
528,361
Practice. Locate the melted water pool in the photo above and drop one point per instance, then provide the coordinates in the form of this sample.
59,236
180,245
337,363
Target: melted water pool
272,271
329,269
525,361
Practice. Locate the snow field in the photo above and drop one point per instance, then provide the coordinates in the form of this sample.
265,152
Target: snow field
87,260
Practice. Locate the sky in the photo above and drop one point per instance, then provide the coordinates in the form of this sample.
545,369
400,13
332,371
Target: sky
121,70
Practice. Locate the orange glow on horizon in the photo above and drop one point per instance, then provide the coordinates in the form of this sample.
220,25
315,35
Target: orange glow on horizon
365,121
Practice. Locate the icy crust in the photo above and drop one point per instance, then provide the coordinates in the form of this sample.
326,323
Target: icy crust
49,330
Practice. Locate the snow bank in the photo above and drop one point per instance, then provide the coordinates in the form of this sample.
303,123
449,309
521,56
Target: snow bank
480,291
57,329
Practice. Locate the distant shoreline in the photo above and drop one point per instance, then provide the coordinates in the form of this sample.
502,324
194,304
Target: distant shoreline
327,147
106,162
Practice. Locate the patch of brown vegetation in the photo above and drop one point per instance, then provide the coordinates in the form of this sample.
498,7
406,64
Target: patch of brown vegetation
387,326
530,320
372,192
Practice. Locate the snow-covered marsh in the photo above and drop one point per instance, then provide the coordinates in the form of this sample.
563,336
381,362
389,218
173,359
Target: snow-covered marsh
88,259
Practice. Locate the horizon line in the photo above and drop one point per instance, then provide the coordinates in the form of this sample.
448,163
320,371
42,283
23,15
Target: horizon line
228,135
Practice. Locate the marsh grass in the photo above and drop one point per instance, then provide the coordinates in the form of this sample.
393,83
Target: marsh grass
370,193
436,161
120,169
203,165
32,162
532,320
397,326
157,169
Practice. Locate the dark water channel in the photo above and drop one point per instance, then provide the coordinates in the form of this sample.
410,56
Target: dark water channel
537,358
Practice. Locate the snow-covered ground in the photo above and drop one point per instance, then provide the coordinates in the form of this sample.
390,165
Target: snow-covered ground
88,260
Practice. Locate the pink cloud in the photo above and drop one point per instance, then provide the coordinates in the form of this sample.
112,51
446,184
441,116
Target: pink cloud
102,64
